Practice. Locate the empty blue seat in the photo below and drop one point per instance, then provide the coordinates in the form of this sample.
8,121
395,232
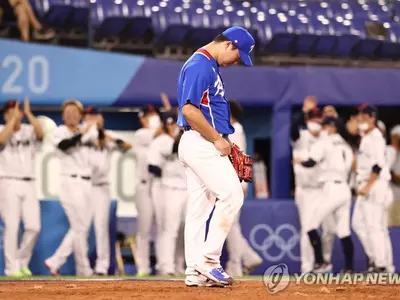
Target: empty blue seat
139,28
198,37
345,45
57,16
174,35
79,18
388,50
111,27
366,48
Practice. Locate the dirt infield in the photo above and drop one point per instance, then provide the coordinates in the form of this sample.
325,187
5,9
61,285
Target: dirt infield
121,290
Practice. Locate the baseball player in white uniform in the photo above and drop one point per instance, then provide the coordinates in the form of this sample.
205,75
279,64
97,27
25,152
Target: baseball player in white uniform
375,196
18,144
242,258
165,166
334,157
204,148
73,143
102,149
151,122
307,188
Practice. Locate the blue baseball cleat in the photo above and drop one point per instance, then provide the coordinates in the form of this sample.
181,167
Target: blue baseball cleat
217,275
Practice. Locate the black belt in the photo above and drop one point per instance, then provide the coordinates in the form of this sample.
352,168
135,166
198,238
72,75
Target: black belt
334,181
100,184
18,178
188,128
82,177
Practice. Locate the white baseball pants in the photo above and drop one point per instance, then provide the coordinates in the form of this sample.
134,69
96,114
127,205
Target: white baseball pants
144,221
336,200
76,200
18,201
370,223
158,200
101,201
209,177
307,200
175,213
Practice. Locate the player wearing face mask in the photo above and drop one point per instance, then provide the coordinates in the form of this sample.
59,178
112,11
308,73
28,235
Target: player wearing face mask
370,217
334,158
307,191
150,121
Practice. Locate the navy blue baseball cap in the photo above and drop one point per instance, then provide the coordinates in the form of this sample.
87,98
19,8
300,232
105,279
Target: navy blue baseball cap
147,109
10,104
169,117
243,40
330,121
314,113
90,110
367,109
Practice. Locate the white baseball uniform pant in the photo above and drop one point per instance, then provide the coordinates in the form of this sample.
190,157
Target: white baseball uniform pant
158,200
238,248
75,198
210,176
175,213
101,201
328,236
18,201
336,200
370,223
144,221
180,264
306,199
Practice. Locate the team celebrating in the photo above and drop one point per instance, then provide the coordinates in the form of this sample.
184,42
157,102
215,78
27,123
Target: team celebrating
330,160
190,165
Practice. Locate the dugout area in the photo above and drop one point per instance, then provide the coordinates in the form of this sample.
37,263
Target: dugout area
171,289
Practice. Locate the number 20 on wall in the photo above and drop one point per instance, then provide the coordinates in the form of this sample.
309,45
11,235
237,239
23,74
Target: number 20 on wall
37,68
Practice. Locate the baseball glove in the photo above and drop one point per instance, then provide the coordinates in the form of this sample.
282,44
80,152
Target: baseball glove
242,163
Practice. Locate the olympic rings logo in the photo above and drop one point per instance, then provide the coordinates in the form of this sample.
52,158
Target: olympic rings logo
275,238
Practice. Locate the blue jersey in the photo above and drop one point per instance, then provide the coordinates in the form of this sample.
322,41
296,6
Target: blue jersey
200,84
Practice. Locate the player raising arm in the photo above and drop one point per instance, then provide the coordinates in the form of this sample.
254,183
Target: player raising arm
204,148
17,185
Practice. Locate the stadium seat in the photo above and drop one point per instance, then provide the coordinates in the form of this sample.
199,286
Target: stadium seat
111,27
58,16
138,29
198,37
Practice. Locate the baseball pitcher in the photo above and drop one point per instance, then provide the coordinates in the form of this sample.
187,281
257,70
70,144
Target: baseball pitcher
18,144
73,143
204,150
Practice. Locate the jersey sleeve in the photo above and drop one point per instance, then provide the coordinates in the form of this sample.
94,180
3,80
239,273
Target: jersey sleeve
390,156
317,151
196,82
378,152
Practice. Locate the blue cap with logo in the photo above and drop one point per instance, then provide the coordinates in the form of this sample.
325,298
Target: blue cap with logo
242,39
